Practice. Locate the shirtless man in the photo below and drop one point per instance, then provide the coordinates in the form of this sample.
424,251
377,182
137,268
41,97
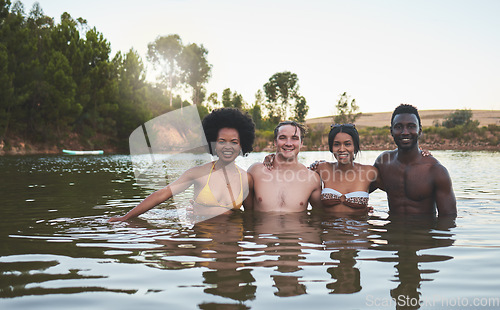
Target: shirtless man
414,184
289,186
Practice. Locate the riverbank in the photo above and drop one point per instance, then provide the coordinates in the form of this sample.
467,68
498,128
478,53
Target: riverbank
371,139
20,146
446,145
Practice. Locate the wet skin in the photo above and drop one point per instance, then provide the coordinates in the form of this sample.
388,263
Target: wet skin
344,175
289,186
414,184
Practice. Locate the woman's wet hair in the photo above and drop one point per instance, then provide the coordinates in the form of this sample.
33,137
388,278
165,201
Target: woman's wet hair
229,118
349,129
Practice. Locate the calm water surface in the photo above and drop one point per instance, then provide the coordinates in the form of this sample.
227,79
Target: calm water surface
58,251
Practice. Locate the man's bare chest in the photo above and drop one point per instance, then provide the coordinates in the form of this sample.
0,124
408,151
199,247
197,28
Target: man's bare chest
412,181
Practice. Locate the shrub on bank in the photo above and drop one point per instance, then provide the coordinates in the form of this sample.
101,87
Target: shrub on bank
380,137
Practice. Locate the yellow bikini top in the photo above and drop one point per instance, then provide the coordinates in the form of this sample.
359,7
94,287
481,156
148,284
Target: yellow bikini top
207,198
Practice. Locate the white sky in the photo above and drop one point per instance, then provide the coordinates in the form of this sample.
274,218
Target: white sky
434,54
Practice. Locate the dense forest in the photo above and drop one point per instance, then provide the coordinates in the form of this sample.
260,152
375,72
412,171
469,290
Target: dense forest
59,83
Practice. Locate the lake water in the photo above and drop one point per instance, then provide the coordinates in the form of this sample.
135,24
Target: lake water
58,251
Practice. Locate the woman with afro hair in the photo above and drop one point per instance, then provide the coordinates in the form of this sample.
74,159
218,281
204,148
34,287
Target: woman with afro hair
219,186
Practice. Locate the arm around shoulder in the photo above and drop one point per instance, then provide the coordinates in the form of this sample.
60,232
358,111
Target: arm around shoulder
377,181
315,198
381,160
248,202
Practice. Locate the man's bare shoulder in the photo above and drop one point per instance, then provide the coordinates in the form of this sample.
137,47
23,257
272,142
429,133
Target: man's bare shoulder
436,167
302,167
255,167
385,157
430,160
312,176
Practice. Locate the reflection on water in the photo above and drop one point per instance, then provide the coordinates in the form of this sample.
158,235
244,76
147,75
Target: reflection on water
406,239
56,244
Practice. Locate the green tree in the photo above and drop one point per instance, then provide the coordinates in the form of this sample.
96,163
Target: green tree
21,62
256,109
99,86
6,92
37,88
132,98
282,93
57,102
458,117
301,109
226,98
164,53
347,111
213,101
4,10
237,101
231,99
196,70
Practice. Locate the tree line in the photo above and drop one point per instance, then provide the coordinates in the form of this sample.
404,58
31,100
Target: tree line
60,78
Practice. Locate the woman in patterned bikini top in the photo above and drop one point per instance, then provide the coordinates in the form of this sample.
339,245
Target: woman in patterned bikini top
345,183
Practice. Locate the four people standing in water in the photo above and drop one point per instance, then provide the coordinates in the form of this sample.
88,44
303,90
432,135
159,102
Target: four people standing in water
415,184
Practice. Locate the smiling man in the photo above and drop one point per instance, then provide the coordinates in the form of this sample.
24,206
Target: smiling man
415,184
289,186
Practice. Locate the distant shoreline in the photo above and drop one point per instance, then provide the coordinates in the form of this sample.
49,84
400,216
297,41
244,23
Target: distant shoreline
426,146
27,149
19,146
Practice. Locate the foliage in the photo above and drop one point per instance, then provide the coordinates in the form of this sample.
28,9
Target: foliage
458,117
212,102
301,109
282,94
178,63
59,79
263,139
347,112
196,70
164,53
256,109
230,99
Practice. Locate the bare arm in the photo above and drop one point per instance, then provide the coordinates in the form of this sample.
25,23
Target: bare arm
147,204
446,202
248,202
179,185
315,198
377,183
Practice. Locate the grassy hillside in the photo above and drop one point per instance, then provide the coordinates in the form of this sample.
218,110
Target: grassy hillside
485,117
375,132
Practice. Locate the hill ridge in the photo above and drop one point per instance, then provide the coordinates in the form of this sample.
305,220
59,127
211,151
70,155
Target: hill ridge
381,119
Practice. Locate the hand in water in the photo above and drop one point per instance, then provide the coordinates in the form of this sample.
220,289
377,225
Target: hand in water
116,219
314,165
269,161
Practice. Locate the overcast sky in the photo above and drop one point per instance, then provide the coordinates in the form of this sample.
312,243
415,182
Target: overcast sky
434,54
